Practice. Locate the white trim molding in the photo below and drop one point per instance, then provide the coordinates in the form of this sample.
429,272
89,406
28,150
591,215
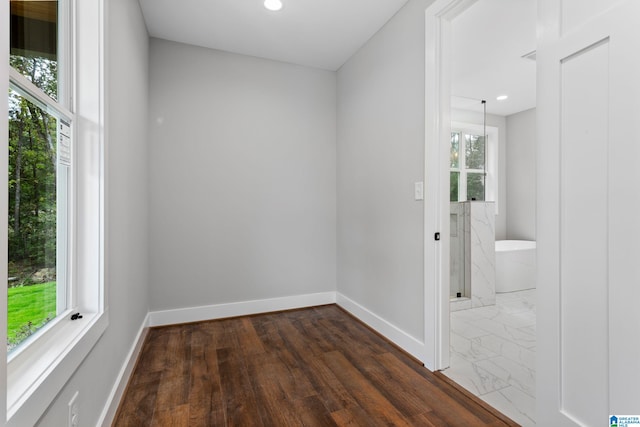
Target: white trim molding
234,309
67,349
438,18
388,330
113,401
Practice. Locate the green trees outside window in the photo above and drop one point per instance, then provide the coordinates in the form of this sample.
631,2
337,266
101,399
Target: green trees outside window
32,203
467,167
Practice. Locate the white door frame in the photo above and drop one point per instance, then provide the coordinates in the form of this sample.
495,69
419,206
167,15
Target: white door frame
438,19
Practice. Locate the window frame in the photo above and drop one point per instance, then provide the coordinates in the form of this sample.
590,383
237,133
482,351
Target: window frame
64,195
38,370
492,152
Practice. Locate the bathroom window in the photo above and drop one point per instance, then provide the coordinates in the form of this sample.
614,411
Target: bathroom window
473,163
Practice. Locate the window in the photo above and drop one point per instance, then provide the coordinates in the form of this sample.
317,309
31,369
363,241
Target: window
473,163
467,166
55,195
39,170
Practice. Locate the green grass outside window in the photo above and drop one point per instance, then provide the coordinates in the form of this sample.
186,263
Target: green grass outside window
29,308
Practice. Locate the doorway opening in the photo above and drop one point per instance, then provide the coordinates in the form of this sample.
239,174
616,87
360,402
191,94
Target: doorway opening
470,47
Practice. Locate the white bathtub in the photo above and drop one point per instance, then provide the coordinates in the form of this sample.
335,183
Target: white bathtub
515,265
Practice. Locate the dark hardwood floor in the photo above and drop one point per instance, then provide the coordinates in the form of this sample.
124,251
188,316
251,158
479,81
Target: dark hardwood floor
309,367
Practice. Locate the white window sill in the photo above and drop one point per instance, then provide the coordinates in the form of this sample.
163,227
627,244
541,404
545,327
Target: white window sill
37,373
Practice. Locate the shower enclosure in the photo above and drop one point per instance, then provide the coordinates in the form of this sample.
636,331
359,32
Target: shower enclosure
472,254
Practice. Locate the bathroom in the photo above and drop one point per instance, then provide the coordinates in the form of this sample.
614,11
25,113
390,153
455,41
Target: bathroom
492,211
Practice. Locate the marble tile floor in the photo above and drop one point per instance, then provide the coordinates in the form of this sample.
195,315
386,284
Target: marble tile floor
493,352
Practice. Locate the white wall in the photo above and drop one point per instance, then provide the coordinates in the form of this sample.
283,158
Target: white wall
381,133
472,117
242,178
126,271
521,175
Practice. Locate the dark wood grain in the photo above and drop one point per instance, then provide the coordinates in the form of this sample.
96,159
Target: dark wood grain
310,367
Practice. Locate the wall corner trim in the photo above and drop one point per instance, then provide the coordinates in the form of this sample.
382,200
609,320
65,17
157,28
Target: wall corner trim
234,309
111,406
394,334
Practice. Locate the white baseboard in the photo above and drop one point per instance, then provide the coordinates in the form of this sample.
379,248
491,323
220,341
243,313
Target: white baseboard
111,407
221,311
391,332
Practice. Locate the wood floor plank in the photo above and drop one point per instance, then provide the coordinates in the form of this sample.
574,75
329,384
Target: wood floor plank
407,397
344,418
177,416
356,416
308,367
267,376
313,413
248,339
368,397
331,390
428,419
136,409
451,409
173,390
151,360
240,401
205,396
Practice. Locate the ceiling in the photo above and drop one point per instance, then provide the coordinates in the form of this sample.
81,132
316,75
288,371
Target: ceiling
489,40
314,33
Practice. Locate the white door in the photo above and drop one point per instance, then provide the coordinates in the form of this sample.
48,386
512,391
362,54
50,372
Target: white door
588,211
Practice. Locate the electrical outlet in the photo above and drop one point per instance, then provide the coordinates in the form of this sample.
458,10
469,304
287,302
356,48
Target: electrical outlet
74,411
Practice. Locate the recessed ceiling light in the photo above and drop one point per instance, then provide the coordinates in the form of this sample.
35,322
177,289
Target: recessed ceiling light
502,97
273,5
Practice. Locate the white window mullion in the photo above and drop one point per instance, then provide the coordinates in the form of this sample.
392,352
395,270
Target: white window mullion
462,162
22,85
65,56
63,260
